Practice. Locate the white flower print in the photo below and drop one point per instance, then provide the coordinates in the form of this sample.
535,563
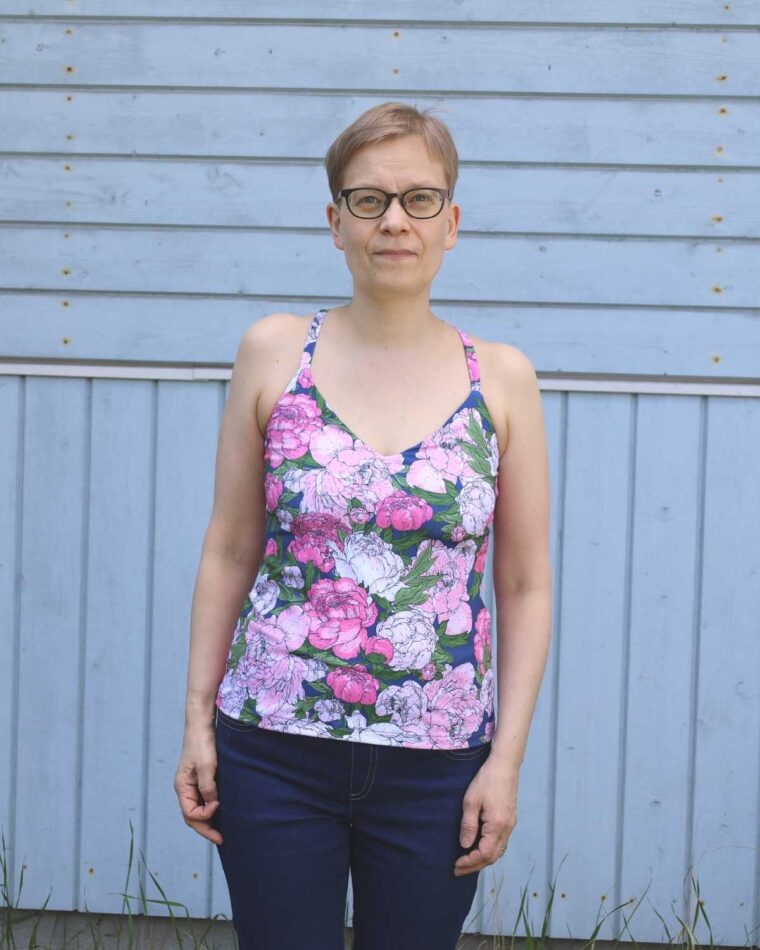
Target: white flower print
413,636
371,562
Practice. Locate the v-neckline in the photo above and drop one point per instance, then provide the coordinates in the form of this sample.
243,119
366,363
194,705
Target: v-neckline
321,314
392,455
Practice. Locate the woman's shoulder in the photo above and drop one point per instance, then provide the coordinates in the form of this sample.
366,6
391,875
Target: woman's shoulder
275,328
273,338
504,361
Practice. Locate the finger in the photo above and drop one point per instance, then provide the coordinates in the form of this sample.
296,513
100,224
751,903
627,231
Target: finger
474,861
468,828
205,830
200,811
193,805
486,853
206,784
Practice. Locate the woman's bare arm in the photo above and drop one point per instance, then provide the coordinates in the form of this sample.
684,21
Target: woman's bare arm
522,573
233,543
230,557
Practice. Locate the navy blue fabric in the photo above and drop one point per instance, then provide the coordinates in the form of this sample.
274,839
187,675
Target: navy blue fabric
297,812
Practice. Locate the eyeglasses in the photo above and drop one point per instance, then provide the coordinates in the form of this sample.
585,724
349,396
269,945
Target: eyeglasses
373,203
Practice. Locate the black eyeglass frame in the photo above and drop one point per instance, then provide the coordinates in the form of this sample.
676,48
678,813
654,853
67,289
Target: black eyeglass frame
445,194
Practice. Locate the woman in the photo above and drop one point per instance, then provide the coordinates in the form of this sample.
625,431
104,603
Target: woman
354,722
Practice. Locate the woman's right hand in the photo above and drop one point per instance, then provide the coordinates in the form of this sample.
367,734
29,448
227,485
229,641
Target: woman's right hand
194,781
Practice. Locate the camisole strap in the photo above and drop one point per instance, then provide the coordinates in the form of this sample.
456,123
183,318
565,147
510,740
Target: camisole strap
472,360
311,338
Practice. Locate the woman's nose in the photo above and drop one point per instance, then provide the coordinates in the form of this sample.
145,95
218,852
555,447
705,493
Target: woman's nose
394,215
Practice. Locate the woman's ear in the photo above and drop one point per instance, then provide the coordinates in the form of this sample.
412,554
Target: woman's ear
333,219
454,215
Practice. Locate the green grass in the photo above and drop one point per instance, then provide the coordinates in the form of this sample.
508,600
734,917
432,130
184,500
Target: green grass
135,927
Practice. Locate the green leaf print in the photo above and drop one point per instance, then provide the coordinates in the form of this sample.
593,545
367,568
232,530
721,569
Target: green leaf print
415,594
422,564
480,452
459,639
248,712
237,652
309,578
434,497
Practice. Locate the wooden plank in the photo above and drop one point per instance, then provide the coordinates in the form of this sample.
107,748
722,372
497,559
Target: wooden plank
494,908
11,408
188,422
522,269
340,57
491,11
725,817
196,330
664,13
49,710
494,200
219,897
485,128
590,650
114,694
665,537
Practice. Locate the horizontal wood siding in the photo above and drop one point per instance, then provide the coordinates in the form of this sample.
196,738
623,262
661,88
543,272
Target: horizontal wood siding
162,187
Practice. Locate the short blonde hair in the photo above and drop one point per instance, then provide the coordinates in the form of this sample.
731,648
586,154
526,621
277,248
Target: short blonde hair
389,120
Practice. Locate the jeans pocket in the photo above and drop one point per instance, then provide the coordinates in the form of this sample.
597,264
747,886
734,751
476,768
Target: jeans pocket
471,752
236,725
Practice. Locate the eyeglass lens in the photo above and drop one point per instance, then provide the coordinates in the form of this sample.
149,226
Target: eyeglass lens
371,203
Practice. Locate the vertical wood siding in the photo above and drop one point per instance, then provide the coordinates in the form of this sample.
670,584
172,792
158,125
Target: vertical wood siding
161,187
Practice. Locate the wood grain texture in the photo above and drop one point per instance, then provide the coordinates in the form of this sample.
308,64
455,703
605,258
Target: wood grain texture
162,187
252,125
665,13
359,57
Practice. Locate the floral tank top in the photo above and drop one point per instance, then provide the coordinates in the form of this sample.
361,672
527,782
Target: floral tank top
365,621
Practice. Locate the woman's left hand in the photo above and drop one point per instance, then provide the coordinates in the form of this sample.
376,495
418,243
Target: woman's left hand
490,800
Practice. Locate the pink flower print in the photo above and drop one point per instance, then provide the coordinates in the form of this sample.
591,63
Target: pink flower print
449,598
353,684
403,511
295,417
270,548
312,534
272,675
428,672
413,637
474,367
339,612
480,561
303,376
263,595
405,704
435,464
486,692
458,533
232,692
329,710
284,632
476,503
272,490
454,710
379,647
371,562
482,641
347,471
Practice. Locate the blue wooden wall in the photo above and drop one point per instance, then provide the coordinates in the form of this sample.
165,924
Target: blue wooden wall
161,187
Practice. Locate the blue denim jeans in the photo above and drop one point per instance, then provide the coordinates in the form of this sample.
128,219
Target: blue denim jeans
296,812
